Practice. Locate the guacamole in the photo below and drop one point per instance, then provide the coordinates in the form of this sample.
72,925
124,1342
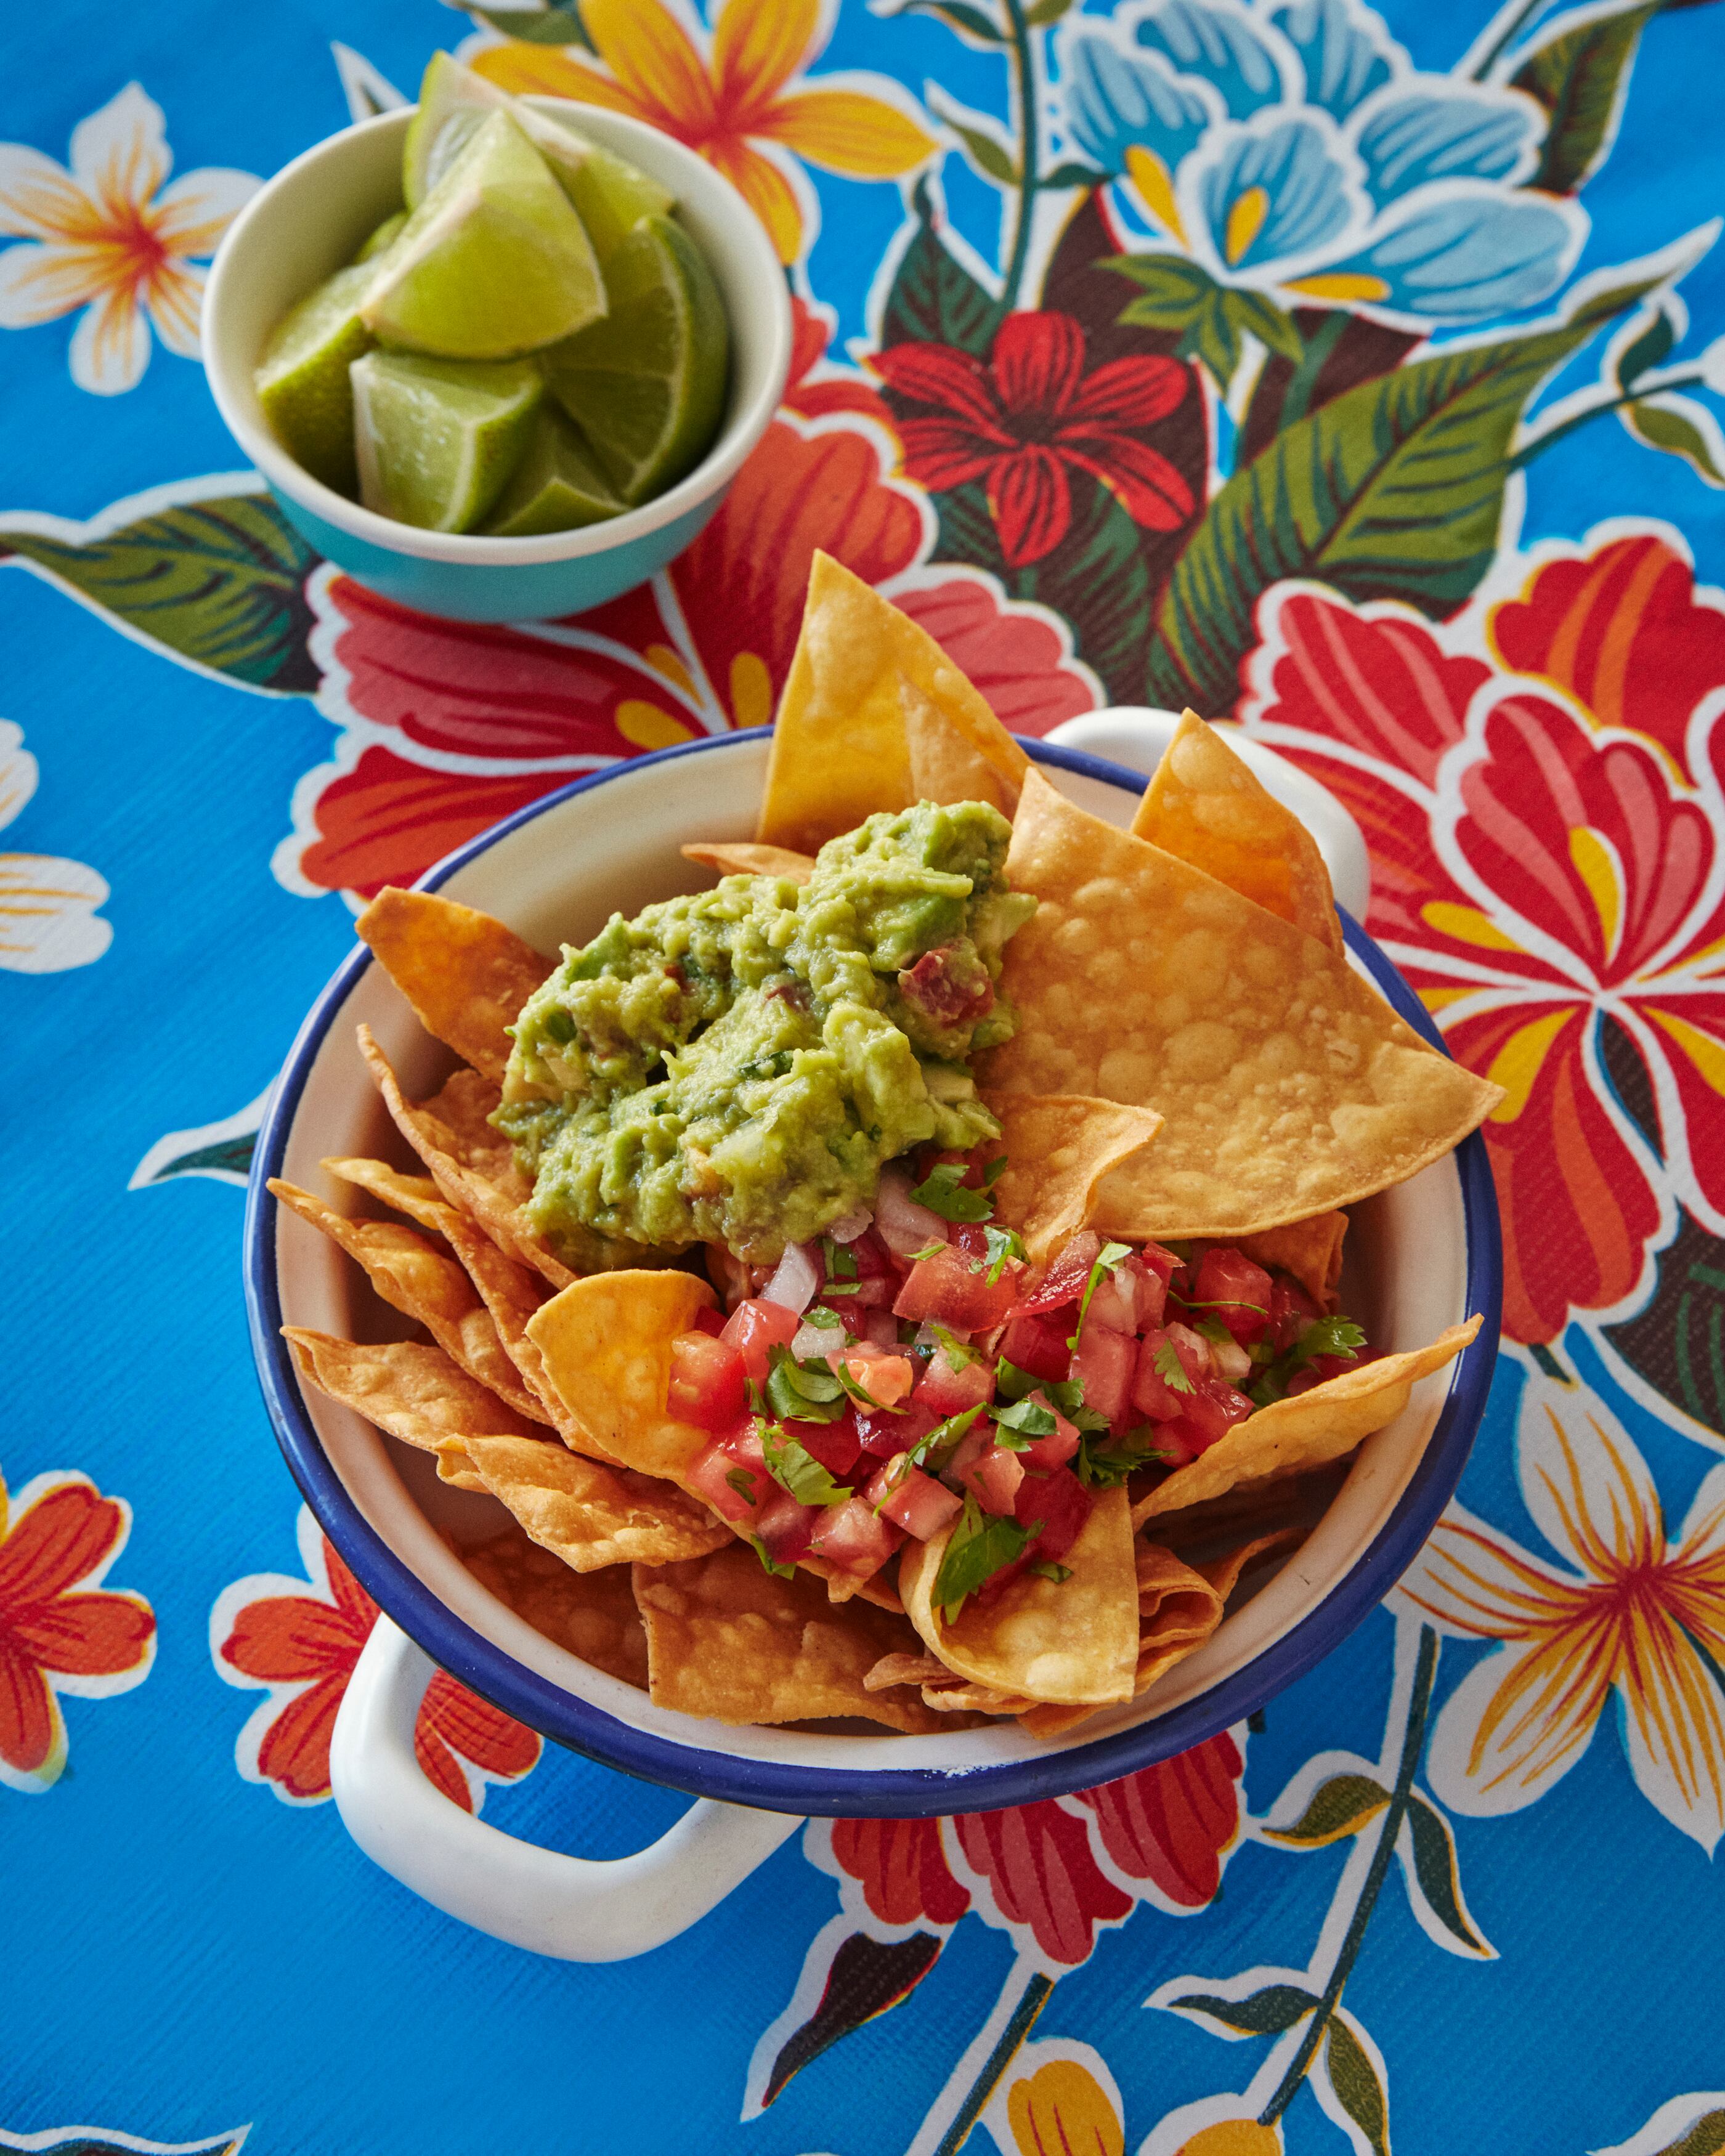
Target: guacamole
737,1066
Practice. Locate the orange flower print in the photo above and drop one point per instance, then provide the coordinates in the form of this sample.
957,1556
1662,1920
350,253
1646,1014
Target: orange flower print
732,94
299,1641
60,1630
109,236
1629,1610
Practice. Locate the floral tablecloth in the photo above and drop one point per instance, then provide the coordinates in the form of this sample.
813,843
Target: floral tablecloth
1349,372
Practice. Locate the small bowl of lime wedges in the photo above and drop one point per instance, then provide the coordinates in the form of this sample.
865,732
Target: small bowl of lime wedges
498,357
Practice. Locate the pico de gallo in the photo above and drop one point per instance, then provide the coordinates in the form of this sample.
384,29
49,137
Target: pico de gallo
910,1370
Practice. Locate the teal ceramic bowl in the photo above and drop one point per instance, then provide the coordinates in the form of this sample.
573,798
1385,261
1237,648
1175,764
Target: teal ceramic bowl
313,218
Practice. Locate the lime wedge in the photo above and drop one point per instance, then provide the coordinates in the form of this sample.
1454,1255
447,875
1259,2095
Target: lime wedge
610,195
493,262
384,237
302,381
438,439
557,486
647,384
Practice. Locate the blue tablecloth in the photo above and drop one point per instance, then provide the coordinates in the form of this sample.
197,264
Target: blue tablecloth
1398,440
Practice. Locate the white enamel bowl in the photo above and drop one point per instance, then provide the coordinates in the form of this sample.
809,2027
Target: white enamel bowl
1420,1258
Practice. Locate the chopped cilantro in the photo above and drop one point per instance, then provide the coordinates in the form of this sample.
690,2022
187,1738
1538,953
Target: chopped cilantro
941,1442
1324,1336
803,1392
743,1483
1003,1244
840,1258
778,1571
822,1319
1066,1393
1214,1331
1101,1466
1047,1568
994,1172
942,1191
959,1354
861,1394
1169,1368
927,1250
1028,1417
1108,1261
797,1471
982,1544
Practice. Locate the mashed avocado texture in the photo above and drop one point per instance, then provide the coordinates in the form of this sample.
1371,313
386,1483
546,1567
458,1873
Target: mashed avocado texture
737,1066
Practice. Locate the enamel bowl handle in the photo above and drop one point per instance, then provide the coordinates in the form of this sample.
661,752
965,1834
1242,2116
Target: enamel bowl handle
573,1908
1135,736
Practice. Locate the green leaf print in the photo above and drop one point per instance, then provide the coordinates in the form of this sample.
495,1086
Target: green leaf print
1336,1808
1354,2083
934,299
1581,78
219,583
1391,490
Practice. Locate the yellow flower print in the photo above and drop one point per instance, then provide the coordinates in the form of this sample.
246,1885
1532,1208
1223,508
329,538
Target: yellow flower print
1640,1615
107,236
728,93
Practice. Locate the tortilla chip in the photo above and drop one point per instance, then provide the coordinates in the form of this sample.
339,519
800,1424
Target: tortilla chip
415,1195
1304,1432
741,857
465,974
421,1283
605,1346
839,751
591,1615
472,1164
729,1640
1205,805
589,1514
414,1391
947,765
1059,1147
1299,1501
1074,1642
1287,1085
1310,1249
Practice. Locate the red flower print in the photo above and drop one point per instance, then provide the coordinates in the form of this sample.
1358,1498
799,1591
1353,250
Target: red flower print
1022,422
1054,1873
448,726
60,1630
1548,880
300,1639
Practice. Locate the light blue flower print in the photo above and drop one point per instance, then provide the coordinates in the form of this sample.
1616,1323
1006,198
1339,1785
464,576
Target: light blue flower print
1292,147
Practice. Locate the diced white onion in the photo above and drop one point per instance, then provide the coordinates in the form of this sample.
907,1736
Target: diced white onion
851,1226
795,1279
903,1225
817,1340
928,1337
1231,1360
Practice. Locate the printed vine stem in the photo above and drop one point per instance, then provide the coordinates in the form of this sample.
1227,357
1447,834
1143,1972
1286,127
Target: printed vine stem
1540,443
1024,2015
1022,61
1514,21
1413,1744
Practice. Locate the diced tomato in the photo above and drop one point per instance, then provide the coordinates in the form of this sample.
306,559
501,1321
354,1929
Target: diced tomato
1207,1413
975,1162
1063,1281
970,1448
992,1479
1105,1362
709,1320
1238,1289
852,1538
754,1328
878,1324
884,1434
1058,1447
786,1528
1162,1263
912,1500
949,986
943,1290
710,1477
1062,1504
948,1391
1291,1310
886,1377
1040,1348
1151,1395
837,1445
706,1382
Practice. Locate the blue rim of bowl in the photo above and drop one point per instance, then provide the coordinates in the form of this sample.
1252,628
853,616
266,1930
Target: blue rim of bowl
884,1792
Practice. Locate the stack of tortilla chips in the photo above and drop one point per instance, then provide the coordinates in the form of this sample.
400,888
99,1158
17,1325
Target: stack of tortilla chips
1193,1057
